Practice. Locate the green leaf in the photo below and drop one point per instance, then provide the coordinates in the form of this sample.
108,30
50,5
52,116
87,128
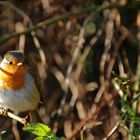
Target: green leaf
46,138
131,112
122,80
43,138
128,109
39,129
136,120
136,131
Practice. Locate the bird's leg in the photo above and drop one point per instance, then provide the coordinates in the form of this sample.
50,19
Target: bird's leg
3,111
24,120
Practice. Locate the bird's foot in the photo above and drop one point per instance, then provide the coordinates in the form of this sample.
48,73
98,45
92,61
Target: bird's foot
24,120
3,111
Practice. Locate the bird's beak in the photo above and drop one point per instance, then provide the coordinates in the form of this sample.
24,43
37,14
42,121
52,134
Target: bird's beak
20,64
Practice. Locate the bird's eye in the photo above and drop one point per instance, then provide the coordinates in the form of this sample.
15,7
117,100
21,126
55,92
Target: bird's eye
10,62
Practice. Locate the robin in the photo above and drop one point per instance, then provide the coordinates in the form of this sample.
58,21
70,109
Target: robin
17,87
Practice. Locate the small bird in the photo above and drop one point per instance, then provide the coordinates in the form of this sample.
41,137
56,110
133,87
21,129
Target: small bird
18,91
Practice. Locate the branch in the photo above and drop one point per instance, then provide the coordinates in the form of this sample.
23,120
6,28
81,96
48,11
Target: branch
17,118
48,22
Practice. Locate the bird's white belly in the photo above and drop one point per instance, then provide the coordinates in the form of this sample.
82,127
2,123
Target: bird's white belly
21,100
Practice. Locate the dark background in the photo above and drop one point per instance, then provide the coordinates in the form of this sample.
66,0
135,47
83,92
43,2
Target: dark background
92,44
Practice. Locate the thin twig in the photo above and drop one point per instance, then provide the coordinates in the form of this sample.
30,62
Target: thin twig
48,22
117,45
112,131
15,117
118,88
88,119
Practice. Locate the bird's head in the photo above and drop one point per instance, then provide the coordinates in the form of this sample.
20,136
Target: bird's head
12,67
13,63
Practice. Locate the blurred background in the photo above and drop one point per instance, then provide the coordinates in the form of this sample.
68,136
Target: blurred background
72,59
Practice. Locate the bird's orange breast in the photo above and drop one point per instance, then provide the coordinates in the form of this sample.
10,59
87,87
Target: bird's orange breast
11,78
